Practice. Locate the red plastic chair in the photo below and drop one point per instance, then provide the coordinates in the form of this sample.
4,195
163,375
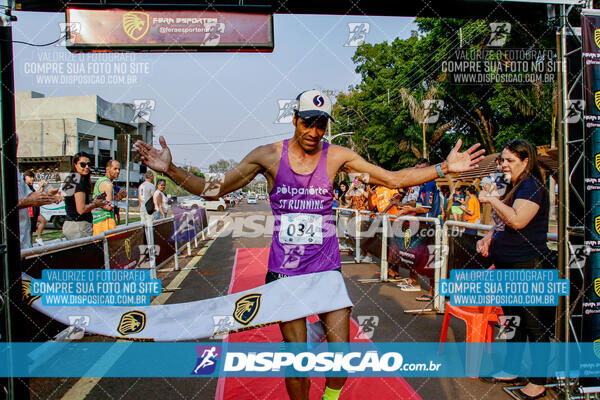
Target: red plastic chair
479,320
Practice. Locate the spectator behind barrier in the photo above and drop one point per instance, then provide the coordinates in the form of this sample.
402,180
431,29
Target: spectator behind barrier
499,178
339,196
78,203
522,245
145,197
458,199
472,209
357,195
444,201
104,218
386,200
34,212
27,199
488,185
427,205
161,202
343,202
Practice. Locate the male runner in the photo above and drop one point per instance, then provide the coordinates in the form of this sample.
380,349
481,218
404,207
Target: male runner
104,217
300,172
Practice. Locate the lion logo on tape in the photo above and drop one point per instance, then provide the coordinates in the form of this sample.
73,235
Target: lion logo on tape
26,292
597,286
128,248
597,224
597,162
597,347
597,99
407,239
132,322
597,37
136,24
246,308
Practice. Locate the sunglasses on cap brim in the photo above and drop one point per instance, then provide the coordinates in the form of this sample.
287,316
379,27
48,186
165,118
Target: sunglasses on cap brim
319,120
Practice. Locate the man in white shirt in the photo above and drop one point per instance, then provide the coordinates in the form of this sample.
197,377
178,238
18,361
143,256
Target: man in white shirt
146,191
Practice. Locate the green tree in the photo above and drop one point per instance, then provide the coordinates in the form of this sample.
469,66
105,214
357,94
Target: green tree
385,110
222,166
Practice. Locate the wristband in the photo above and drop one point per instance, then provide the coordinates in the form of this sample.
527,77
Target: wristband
438,168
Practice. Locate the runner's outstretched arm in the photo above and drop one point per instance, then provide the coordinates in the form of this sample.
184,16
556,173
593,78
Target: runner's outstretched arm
455,162
160,160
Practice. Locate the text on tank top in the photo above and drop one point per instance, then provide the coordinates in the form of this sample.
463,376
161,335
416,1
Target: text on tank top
304,235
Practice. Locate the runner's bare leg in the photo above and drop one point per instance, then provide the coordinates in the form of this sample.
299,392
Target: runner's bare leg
292,332
337,327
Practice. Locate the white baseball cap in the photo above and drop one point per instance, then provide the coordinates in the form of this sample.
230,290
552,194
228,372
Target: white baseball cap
314,103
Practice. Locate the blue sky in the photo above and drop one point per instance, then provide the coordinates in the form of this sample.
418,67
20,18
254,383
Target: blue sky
210,97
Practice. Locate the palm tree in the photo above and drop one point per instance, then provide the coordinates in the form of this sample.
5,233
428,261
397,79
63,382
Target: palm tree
420,110
535,100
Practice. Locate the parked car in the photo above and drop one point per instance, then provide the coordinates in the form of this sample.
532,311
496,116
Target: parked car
251,200
211,205
54,213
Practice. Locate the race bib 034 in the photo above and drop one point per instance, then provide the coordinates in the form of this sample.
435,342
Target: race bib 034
301,229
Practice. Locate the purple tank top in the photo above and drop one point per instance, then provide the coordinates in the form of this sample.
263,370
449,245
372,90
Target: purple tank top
304,234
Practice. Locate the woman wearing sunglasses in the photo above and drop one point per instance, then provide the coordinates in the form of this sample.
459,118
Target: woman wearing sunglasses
78,204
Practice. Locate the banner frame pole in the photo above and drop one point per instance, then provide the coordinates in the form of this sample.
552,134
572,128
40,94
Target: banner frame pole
437,303
106,253
189,243
444,263
563,190
13,318
127,180
149,223
357,236
176,255
384,246
202,225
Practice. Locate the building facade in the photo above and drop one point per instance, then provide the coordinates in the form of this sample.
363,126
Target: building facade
52,129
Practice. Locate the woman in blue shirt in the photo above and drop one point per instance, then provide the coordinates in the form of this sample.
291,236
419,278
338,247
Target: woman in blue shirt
522,245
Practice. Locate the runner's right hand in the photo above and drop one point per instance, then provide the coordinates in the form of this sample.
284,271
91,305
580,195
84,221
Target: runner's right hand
158,160
38,199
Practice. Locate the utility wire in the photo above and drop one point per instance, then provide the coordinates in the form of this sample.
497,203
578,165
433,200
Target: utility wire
39,45
228,141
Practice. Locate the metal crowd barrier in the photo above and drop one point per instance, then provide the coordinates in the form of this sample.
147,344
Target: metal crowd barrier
68,244
205,230
441,252
383,275
357,219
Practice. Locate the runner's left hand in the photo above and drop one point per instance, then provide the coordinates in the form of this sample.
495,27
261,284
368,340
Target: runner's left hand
465,161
